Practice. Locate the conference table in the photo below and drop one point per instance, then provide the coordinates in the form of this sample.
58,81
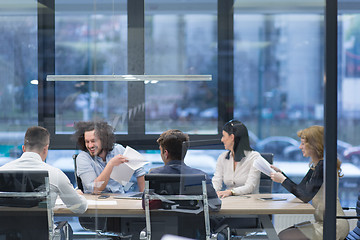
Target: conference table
252,205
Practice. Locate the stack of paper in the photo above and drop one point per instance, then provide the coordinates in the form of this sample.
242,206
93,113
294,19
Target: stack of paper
123,172
263,166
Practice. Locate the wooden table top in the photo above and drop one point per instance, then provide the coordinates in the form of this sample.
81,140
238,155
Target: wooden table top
231,206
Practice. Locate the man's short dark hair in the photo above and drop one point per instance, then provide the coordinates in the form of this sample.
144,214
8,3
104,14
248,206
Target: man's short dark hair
102,130
175,142
36,138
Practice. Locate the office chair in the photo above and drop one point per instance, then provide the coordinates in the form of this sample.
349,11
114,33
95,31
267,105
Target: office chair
265,181
95,224
26,209
251,228
186,192
355,233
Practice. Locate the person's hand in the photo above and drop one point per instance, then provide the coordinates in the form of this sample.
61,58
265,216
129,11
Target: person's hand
223,194
277,177
275,168
117,160
79,192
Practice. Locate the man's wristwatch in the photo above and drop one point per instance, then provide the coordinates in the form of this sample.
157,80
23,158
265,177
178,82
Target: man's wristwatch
232,192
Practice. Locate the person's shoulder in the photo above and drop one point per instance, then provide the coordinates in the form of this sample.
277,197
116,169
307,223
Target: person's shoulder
52,169
8,165
156,170
83,155
252,154
118,149
192,170
223,155
320,166
118,146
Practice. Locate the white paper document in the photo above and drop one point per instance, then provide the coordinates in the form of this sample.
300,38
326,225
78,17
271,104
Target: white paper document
123,172
135,158
263,166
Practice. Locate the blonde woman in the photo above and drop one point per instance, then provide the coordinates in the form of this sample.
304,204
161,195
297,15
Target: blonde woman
311,188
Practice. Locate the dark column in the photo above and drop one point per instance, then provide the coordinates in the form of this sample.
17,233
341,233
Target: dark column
225,62
330,119
136,66
46,64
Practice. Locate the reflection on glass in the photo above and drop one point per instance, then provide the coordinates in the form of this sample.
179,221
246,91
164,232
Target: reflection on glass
348,105
90,40
181,39
278,68
18,67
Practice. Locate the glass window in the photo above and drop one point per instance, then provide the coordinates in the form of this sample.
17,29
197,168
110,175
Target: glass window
18,75
181,39
348,106
278,72
278,79
90,39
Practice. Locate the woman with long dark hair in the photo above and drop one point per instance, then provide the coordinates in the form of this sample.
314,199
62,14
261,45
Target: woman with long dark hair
235,168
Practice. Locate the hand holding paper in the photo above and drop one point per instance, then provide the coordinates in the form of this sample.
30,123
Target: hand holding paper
123,172
136,160
263,166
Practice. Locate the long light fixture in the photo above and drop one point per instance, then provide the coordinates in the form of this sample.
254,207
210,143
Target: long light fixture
129,78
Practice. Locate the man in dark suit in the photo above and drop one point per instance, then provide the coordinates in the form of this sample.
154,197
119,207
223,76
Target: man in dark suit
173,146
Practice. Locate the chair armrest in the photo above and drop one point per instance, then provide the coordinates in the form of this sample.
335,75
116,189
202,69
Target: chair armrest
63,231
221,229
348,217
143,234
60,225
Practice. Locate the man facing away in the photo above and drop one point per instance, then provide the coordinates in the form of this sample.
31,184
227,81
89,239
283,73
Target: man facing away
171,144
35,148
99,155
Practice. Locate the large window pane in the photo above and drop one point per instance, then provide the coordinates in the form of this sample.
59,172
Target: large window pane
348,104
91,40
278,79
18,75
278,72
181,39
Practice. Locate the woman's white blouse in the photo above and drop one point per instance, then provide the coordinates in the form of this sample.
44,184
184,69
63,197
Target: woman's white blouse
244,180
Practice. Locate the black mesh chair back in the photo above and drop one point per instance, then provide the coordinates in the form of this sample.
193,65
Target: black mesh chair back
95,224
25,210
265,181
180,192
77,178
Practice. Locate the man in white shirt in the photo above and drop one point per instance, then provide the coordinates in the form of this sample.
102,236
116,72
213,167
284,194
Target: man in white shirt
35,148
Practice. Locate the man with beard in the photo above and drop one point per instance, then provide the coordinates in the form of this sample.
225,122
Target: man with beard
100,154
